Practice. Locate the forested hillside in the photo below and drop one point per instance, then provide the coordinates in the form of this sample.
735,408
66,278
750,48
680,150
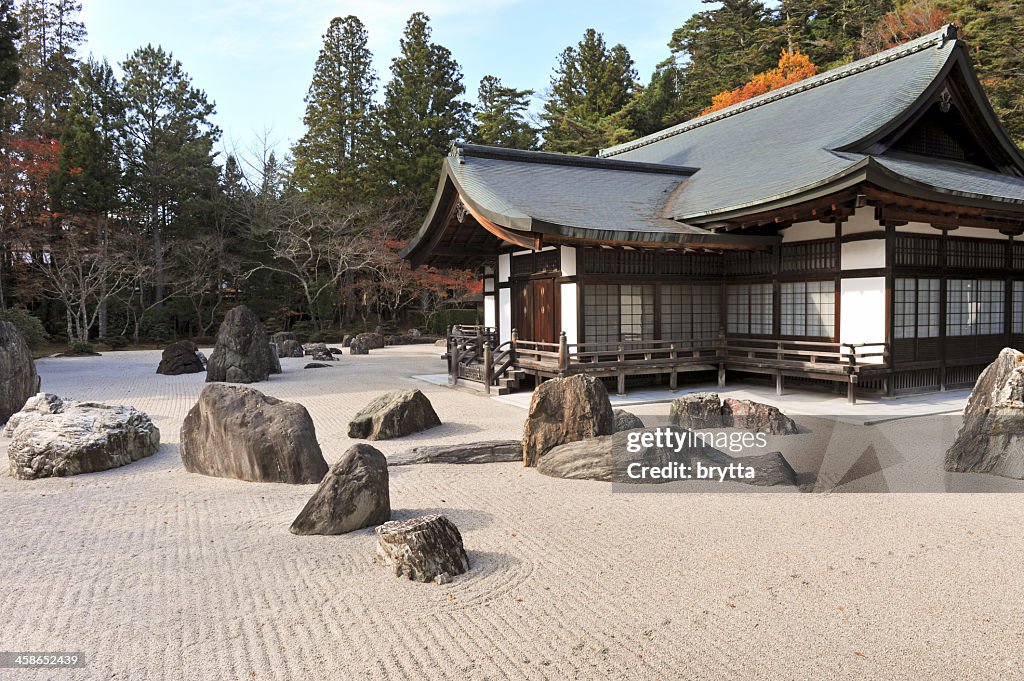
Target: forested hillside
122,220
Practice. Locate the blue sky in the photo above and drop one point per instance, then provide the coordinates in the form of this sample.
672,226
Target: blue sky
255,57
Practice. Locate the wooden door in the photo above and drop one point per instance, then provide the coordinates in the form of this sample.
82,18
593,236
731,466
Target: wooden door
535,309
544,310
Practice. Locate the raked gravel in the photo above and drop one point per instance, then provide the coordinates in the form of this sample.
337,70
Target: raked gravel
159,574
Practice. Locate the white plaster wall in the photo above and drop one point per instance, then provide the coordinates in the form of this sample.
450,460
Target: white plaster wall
862,220
504,313
863,255
862,311
568,258
570,312
504,267
490,311
806,231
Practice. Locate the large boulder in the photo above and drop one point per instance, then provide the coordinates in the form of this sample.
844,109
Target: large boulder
373,341
357,347
424,549
242,354
756,417
353,495
281,337
179,358
609,457
346,341
696,410
54,437
238,432
701,411
625,420
290,348
394,414
991,439
18,378
319,352
565,410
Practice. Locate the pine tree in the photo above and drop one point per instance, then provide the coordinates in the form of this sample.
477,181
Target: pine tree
590,90
168,150
50,37
500,116
722,49
422,113
88,177
331,157
10,71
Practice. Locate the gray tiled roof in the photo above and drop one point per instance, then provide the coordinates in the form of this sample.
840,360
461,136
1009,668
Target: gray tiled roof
820,135
521,191
782,142
958,179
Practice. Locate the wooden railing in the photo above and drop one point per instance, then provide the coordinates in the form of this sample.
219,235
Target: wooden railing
822,359
475,354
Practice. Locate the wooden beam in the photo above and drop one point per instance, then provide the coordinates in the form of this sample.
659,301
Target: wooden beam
526,240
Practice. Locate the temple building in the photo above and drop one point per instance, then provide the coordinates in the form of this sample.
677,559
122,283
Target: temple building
859,230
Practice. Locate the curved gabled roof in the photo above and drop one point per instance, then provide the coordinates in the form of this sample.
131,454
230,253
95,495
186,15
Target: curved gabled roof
791,139
558,198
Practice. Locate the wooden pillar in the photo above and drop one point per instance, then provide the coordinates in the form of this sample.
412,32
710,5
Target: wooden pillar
722,348
488,368
673,378
563,354
621,388
778,383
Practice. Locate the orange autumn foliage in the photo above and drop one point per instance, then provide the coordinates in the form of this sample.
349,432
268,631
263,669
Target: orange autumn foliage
793,67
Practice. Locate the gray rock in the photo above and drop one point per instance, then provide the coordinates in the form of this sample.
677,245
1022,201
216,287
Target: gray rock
372,341
336,351
625,420
756,417
415,333
422,549
319,352
282,337
242,354
493,451
394,414
275,360
238,432
565,410
356,347
441,343
353,495
346,341
18,378
608,458
991,439
317,365
53,437
290,348
179,358
697,411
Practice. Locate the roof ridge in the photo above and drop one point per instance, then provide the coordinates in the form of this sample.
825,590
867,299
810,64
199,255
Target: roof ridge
464,149
937,38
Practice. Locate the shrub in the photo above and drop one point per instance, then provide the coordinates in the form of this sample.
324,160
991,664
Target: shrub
30,328
80,348
115,342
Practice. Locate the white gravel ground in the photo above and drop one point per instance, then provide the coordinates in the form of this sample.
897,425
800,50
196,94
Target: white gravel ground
159,574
